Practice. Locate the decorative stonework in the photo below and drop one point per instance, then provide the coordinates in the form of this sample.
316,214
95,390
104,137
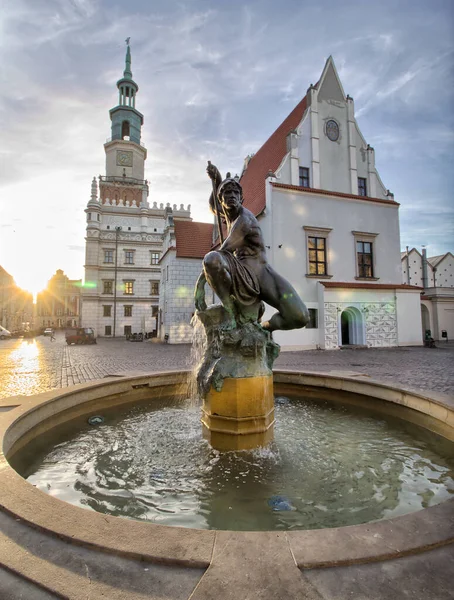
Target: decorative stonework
132,237
331,324
380,322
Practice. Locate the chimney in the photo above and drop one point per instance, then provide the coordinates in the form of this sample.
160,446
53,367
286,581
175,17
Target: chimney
424,268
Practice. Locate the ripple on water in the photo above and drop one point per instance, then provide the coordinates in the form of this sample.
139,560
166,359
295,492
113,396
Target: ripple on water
328,466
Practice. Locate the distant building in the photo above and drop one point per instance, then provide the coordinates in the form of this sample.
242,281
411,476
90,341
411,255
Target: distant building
331,227
16,305
185,245
58,306
124,240
435,275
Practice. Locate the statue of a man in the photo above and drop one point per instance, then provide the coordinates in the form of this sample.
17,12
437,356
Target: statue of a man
238,272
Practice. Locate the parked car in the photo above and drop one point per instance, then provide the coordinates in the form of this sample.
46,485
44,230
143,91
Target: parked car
4,333
81,335
48,331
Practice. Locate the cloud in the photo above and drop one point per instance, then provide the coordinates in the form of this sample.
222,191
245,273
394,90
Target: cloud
215,79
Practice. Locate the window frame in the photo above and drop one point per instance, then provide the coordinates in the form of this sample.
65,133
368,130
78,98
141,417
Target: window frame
107,313
313,322
105,282
304,175
365,237
362,187
318,232
126,283
154,282
154,257
107,329
127,329
127,310
129,254
109,250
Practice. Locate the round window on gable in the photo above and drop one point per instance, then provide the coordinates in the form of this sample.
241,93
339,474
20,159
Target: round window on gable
332,130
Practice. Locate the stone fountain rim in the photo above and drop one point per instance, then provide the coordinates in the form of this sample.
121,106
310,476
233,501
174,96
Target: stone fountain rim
386,539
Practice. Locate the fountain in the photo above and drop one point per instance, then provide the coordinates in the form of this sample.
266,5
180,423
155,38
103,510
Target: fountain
234,376
352,471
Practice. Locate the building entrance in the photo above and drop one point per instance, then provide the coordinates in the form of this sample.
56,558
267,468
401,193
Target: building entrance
352,327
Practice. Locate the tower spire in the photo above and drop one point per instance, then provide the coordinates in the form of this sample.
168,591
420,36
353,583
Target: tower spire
127,73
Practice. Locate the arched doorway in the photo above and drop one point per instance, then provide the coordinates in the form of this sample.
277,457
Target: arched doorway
352,327
425,320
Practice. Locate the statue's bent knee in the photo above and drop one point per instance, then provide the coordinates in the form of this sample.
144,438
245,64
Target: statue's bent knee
212,261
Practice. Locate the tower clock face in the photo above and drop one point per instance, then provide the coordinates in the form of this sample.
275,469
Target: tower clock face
332,130
124,158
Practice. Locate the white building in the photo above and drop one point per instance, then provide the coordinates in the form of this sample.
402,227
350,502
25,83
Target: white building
124,232
331,227
436,275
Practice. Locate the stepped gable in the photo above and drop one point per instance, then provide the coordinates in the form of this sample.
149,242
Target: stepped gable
193,239
268,158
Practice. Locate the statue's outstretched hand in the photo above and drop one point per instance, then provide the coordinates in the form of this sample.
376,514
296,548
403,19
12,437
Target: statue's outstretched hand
213,172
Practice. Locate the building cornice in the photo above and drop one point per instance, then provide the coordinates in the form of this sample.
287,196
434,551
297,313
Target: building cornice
371,286
305,190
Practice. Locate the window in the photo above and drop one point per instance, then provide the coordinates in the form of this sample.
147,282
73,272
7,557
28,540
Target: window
129,287
108,227
127,330
108,330
154,258
167,273
365,259
317,255
362,186
154,311
89,216
313,319
304,177
129,257
128,311
99,217
154,288
107,287
107,310
108,256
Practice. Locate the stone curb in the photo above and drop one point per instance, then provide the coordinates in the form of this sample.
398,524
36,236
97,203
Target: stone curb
387,539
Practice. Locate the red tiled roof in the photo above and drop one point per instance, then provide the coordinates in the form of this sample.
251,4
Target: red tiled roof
268,158
329,193
193,239
370,286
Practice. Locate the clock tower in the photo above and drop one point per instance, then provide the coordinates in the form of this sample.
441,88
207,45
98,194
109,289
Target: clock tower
125,155
125,232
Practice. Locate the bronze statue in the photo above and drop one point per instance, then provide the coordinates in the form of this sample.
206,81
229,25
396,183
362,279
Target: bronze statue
239,273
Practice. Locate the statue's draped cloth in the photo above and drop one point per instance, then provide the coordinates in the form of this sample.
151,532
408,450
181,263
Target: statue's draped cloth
245,284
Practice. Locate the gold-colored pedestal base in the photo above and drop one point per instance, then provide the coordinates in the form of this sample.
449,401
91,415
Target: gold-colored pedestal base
241,415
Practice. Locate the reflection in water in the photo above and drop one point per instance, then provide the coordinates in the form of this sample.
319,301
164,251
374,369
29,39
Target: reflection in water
22,370
329,466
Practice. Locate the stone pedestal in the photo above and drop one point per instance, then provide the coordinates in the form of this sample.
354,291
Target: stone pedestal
241,415
235,379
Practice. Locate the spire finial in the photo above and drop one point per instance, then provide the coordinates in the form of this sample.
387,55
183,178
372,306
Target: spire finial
127,74
94,190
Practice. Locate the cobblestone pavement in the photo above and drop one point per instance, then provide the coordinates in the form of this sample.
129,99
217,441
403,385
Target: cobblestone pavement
32,366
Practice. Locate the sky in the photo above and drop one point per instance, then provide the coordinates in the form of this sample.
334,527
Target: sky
215,80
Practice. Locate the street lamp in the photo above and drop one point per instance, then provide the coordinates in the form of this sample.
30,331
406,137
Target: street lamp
117,231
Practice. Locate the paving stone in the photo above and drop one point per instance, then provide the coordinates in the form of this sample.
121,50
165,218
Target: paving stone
29,367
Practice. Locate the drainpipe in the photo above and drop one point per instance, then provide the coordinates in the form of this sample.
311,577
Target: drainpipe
424,269
408,268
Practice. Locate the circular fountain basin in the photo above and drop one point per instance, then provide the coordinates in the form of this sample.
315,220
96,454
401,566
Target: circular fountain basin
34,420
